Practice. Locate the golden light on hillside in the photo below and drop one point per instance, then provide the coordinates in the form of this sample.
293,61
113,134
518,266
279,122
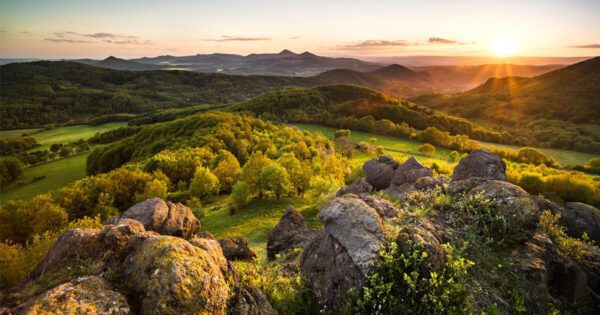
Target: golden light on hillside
504,47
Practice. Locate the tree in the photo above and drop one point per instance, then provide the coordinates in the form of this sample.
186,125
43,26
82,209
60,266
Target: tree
299,172
154,188
65,151
204,184
241,195
55,147
342,133
11,168
275,178
427,149
251,171
226,167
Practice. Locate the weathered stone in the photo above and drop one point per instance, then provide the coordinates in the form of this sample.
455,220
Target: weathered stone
480,164
579,218
329,271
551,276
288,234
87,295
430,182
163,217
170,276
515,204
409,172
424,237
379,172
358,186
250,300
236,248
357,227
384,208
456,187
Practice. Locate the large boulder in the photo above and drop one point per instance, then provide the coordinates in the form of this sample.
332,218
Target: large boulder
166,218
579,218
552,277
358,186
289,233
515,204
426,238
170,275
344,253
250,300
236,248
409,172
406,177
86,295
480,164
379,172
384,208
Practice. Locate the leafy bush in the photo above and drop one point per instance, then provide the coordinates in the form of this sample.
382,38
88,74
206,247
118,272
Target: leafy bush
205,184
427,149
575,248
400,284
483,215
11,168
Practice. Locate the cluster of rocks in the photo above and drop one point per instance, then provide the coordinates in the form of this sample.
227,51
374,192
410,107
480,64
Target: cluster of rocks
154,255
340,256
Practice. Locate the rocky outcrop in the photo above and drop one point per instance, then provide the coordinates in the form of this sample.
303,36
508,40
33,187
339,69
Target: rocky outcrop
236,249
87,295
579,218
515,204
162,274
171,275
552,277
166,218
480,164
409,172
289,233
379,172
250,300
345,252
357,187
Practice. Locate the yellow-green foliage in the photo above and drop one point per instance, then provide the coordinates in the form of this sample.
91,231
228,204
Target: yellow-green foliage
16,260
286,293
575,248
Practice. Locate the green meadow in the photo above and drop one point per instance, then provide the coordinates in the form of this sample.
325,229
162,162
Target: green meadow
71,134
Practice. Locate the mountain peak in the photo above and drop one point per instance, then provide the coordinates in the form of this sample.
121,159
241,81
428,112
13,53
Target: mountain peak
286,52
112,58
308,54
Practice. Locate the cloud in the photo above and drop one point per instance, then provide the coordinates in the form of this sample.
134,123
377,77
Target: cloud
439,40
226,38
375,44
586,46
66,40
100,37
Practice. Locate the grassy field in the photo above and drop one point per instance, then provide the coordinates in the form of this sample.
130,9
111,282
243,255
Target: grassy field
5,134
564,157
255,221
71,133
53,175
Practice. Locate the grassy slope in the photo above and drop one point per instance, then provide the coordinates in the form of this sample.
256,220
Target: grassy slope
58,174
71,133
5,134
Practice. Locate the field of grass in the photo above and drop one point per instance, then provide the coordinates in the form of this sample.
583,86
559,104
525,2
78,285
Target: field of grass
51,175
5,134
71,133
255,221
564,157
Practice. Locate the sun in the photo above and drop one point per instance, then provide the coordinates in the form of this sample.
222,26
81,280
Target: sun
504,47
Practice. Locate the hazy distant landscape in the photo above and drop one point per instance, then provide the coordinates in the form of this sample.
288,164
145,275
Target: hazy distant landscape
299,158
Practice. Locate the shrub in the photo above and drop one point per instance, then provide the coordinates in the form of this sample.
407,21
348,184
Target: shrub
154,188
400,284
454,156
205,184
241,195
426,149
11,168
575,248
483,215
342,133
275,178
226,167
532,183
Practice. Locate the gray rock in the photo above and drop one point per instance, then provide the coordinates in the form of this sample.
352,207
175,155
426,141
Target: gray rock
409,172
250,300
358,186
236,249
289,233
430,182
579,218
357,227
163,217
379,172
480,164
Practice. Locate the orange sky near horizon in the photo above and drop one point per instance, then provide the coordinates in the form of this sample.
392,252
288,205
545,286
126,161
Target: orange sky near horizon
97,29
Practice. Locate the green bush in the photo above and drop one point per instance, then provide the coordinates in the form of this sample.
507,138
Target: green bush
400,284
575,248
205,184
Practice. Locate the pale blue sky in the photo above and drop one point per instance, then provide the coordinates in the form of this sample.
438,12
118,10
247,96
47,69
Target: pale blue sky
56,29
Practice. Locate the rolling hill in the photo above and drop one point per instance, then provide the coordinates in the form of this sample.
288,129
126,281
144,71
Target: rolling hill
568,94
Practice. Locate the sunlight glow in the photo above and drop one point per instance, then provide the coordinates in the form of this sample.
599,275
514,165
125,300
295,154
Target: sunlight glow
504,47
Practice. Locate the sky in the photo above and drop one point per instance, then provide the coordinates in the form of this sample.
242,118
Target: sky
128,29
